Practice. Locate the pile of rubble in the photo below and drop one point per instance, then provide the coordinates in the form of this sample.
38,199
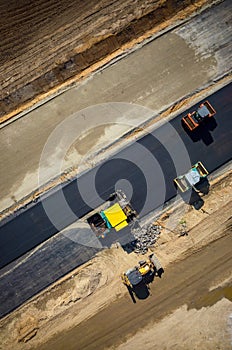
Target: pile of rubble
145,237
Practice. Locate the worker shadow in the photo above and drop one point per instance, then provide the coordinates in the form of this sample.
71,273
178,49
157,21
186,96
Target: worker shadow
202,132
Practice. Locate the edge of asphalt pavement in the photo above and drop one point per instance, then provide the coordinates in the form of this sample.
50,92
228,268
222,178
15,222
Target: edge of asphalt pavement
143,125
108,61
115,146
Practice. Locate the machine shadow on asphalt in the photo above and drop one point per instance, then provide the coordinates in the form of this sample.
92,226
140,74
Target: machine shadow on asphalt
203,132
192,198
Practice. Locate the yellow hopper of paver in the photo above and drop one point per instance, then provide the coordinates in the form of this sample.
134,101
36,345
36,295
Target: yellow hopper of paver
115,214
191,178
116,217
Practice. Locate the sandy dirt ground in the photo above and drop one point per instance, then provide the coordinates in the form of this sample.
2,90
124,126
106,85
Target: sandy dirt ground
205,329
95,285
44,45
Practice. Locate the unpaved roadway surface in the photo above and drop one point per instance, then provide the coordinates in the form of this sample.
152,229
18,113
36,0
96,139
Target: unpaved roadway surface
202,328
187,282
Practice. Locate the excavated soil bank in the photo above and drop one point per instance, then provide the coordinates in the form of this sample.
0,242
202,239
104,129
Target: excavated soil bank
46,44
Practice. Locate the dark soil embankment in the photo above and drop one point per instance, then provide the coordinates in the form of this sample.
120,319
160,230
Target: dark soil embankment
44,44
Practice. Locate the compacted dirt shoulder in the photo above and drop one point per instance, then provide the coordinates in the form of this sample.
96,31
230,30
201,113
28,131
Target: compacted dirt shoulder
45,44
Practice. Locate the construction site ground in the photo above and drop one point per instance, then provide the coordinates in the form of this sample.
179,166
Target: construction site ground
48,321
97,284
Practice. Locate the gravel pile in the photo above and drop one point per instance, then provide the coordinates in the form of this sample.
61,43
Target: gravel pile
145,237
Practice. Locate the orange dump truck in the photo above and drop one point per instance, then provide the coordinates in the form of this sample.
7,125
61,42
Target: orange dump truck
194,119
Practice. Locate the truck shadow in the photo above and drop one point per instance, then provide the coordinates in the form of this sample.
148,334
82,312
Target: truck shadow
142,290
202,132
